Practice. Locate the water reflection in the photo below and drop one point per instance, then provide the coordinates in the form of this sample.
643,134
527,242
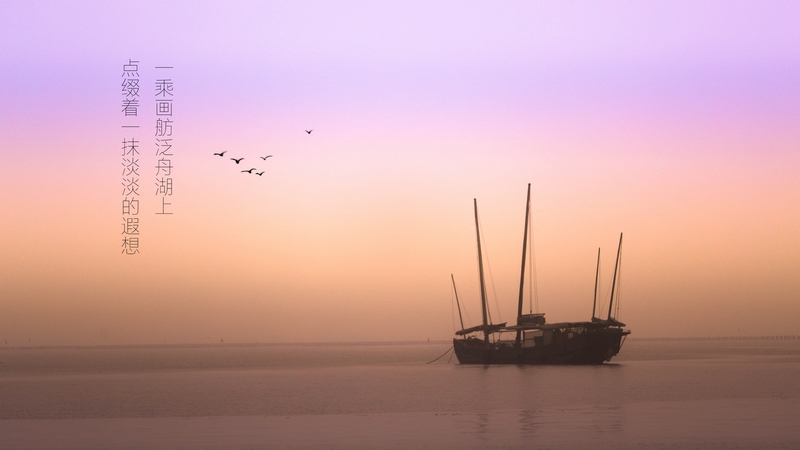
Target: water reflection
523,405
527,425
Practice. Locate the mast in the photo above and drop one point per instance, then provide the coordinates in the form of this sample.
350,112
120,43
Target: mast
596,279
457,303
480,271
524,249
614,283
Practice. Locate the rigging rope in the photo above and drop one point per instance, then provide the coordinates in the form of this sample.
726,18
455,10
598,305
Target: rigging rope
482,288
453,310
599,283
530,269
491,277
466,313
535,283
606,296
448,350
597,286
494,291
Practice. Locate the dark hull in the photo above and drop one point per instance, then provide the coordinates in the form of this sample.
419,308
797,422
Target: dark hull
592,347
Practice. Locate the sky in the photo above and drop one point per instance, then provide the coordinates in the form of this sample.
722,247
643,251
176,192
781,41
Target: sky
675,123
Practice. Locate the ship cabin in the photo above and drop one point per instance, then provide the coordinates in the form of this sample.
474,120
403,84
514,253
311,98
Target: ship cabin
534,332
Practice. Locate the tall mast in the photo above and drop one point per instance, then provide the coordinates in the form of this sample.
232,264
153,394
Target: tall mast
596,279
457,303
613,283
524,249
480,270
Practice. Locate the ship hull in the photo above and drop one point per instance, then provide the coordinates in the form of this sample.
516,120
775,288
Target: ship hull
592,347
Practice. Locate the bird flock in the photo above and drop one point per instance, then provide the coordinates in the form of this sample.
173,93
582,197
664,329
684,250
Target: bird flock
251,170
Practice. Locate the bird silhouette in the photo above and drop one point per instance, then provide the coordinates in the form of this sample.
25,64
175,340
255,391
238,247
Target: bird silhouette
220,154
265,157
260,173
309,131
249,171
237,160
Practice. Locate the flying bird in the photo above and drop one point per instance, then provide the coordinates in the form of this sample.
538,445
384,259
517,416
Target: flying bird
220,154
249,171
260,173
309,131
265,157
237,160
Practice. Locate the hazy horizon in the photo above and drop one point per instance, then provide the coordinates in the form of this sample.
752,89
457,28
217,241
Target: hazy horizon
672,122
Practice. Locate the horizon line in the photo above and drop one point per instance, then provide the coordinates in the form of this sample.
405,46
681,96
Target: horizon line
367,343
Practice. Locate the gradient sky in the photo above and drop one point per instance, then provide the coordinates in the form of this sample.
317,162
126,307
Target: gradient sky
677,123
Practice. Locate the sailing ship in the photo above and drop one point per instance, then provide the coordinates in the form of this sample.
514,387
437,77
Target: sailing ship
532,340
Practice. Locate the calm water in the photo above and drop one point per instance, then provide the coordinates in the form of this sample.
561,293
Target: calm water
655,395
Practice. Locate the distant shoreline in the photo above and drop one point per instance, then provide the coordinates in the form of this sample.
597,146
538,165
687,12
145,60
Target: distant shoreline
367,343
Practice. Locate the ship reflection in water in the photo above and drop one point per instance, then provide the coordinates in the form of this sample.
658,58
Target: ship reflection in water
532,340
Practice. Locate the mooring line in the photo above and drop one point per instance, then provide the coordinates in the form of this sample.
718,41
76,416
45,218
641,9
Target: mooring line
448,350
